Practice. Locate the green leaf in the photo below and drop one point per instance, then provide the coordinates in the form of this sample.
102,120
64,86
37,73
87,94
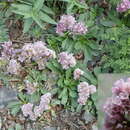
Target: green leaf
13,104
15,110
52,67
25,14
21,7
34,97
54,91
38,5
47,9
38,21
73,94
79,108
68,73
18,127
107,23
47,18
97,70
21,96
60,82
67,82
55,102
64,99
27,24
89,76
63,93
11,128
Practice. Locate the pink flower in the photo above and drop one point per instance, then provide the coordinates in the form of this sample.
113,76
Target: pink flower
37,52
45,100
27,109
8,50
67,60
121,86
77,73
84,90
33,114
38,110
123,6
66,23
79,29
14,67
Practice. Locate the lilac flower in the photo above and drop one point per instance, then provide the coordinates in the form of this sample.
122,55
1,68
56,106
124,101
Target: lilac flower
66,23
38,110
77,73
79,29
44,105
84,90
121,86
45,100
118,106
8,50
33,114
27,109
14,67
67,60
27,52
123,6
37,52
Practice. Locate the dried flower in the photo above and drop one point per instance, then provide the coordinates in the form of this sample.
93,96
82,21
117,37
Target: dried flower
67,60
77,73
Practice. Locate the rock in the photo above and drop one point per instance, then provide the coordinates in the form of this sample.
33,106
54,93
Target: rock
94,127
88,117
6,96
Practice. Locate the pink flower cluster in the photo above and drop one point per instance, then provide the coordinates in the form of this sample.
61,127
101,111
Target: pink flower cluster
33,114
77,73
67,60
85,90
8,50
13,67
123,6
68,23
37,52
117,108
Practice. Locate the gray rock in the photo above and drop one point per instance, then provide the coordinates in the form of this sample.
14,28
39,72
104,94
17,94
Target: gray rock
6,96
94,127
88,117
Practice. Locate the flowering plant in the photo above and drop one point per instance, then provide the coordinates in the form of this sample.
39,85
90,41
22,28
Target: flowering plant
117,108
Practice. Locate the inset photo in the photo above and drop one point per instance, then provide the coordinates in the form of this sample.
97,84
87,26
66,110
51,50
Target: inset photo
114,102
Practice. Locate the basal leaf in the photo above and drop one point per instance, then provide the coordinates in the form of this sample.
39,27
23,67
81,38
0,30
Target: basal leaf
46,18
